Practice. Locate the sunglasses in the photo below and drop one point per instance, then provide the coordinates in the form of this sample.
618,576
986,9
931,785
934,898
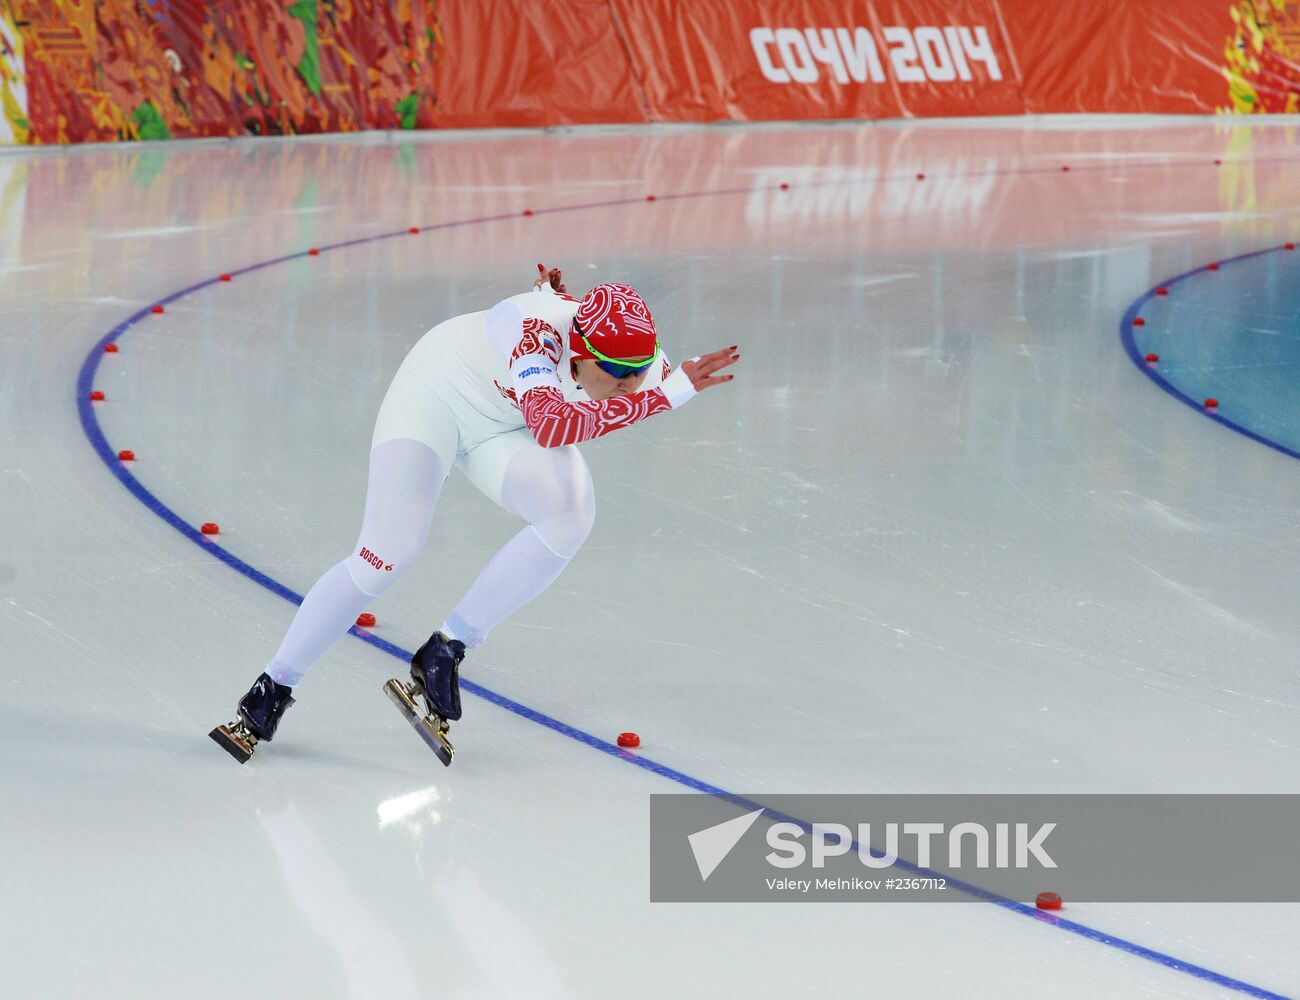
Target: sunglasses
622,369
617,367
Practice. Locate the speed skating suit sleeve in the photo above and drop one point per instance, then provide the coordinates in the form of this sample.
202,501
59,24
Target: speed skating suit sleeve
554,421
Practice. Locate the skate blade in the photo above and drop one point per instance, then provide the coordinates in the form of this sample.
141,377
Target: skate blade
431,732
232,743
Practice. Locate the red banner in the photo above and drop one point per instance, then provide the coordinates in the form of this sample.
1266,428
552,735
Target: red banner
1080,55
76,70
533,62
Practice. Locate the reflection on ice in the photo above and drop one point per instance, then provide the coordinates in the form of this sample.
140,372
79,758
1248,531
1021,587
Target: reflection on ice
413,808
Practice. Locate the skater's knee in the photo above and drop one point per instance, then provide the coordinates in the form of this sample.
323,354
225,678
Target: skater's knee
552,490
565,528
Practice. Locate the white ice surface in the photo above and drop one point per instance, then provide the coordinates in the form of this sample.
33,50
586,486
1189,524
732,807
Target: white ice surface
938,536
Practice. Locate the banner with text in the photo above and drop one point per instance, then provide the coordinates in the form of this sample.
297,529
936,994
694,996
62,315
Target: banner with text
74,71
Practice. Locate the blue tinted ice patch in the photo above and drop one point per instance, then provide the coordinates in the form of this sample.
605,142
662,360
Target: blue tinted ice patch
1228,332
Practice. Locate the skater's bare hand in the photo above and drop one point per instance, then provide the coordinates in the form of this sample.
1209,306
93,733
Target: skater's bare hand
701,371
550,277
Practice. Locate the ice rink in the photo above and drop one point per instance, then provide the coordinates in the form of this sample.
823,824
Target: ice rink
946,532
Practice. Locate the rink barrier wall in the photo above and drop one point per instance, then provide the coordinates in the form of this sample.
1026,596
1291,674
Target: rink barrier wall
107,454
121,69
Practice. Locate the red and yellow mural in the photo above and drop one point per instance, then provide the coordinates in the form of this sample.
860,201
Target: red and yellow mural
99,70
87,71
1262,57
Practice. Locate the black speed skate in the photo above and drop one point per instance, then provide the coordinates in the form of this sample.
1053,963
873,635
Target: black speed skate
435,680
259,714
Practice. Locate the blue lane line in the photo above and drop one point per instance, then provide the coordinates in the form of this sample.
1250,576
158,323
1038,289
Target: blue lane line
98,441
1128,338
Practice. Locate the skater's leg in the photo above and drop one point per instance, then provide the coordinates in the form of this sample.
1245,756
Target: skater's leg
551,489
406,477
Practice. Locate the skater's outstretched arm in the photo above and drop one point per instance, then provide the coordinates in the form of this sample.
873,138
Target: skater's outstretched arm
555,421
